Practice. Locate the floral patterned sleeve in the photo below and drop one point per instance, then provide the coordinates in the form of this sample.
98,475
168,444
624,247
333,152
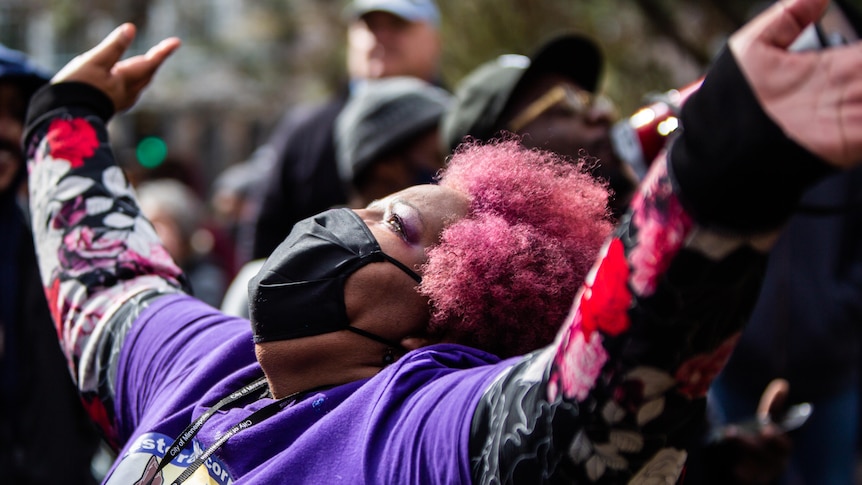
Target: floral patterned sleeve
620,395
100,259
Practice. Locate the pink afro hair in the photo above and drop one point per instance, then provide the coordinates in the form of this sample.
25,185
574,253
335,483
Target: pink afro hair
503,278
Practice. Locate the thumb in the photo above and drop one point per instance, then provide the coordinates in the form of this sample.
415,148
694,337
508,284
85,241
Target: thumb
782,22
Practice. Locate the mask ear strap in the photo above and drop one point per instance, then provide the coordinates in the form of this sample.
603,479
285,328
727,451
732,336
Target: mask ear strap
403,267
376,338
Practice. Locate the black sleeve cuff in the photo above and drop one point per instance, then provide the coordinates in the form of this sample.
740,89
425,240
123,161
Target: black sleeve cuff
733,166
66,95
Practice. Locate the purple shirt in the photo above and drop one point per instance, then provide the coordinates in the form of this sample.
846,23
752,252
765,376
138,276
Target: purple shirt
396,427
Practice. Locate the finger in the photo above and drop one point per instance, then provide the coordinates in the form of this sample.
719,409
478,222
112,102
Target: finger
773,398
142,68
112,47
781,23
159,52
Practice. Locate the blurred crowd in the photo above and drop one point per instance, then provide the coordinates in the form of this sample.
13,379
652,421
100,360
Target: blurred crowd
393,124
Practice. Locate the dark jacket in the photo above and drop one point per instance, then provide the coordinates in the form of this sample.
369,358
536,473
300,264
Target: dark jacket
45,435
305,179
806,325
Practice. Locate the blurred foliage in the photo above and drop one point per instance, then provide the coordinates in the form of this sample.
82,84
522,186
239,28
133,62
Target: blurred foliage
650,45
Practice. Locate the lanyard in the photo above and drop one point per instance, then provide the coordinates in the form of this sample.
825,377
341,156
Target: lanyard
191,430
260,415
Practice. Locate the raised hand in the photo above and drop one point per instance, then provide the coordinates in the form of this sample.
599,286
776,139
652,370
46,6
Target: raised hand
753,452
814,96
121,80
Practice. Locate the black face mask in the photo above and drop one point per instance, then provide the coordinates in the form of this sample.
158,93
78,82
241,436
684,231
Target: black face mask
299,291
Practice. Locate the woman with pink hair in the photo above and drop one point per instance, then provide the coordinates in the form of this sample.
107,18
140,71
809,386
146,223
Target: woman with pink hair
536,224
374,353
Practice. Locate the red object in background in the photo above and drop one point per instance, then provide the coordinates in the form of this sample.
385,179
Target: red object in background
638,139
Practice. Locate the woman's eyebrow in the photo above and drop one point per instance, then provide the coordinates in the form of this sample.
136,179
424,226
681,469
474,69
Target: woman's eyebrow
374,204
400,201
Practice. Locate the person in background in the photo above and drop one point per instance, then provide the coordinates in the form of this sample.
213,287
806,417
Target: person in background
384,38
387,138
45,434
551,100
807,324
358,336
232,202
178,216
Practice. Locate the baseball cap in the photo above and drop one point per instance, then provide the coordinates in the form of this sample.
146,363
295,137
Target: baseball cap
17,67
411,10
382,114
483,94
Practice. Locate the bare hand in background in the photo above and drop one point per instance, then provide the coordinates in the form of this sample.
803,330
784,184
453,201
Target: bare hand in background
760,455
814,96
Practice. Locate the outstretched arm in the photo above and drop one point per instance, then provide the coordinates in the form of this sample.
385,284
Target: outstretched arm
99,258
619,396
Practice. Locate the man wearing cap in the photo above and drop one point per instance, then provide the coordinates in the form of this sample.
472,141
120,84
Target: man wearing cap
44,432
384,38
551,99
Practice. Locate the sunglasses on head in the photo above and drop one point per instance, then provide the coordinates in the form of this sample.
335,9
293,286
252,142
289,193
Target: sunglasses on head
579,101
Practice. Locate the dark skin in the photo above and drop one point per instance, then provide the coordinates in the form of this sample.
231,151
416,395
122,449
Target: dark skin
419,157
12,111
379,297
572,133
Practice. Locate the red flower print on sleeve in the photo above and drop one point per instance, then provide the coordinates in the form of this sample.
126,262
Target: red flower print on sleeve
52,293
606,299
662,226
695,375
74,140
97,412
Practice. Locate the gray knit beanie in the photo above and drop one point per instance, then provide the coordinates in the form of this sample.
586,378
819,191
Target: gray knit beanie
381,115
